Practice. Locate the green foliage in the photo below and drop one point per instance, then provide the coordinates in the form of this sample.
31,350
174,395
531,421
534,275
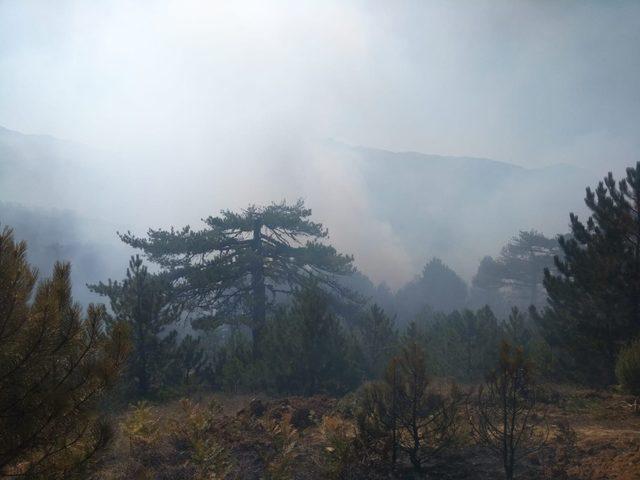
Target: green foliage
405,415
518,272
594,299
521,331
628,368
236,364
177,440
143,302
141,428
305,349
55,367
344,456
465,344
377,341
280,460
194,429
438,287
190,365
462,345
240,262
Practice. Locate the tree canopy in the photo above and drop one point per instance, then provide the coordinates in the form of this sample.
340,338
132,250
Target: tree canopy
438,287
54,367
594,299
518,272
240,262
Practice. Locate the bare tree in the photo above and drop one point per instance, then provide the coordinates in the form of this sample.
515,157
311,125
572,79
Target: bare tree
405,414
504,418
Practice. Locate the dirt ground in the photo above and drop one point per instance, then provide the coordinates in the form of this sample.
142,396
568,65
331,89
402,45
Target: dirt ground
607,428
593,435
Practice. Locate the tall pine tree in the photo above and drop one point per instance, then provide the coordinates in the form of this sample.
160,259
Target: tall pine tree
240,262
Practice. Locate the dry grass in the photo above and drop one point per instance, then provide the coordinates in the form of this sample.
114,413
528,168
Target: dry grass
594,436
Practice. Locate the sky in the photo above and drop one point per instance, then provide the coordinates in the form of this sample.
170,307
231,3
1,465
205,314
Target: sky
223,98
526,82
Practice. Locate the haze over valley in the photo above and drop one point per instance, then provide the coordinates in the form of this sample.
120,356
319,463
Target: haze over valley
403,207
332,240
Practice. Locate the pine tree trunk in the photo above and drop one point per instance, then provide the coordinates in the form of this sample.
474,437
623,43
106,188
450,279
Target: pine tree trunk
142,361
636,280
258,291
506,452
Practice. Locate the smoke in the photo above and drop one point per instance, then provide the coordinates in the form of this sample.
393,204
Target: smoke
209,105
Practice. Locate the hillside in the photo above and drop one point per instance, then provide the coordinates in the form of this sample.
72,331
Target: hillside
53,194
455,208
462,208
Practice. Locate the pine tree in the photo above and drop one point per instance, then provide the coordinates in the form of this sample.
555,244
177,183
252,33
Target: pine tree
190,363
240,262
504,418
305,349
519,270
55,366
377,340
459,344
594,299
438,287
142,301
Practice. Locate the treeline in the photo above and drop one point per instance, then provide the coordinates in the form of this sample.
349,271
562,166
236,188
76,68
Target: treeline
514,278
265,312
273,307
257,300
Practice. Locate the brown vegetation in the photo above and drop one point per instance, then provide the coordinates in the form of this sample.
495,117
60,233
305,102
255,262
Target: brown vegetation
594,435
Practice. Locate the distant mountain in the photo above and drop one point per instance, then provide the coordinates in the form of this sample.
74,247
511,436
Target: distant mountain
455,208
462,208
53,235
43,171
53,194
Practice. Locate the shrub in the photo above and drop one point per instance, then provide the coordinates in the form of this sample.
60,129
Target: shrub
195,430
461,344
283,438
235,364
141,428
628,367
343,455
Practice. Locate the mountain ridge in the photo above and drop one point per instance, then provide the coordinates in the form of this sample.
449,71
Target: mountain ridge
457,208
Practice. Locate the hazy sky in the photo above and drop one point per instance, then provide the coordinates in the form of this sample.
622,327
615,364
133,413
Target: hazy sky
219,100
527,82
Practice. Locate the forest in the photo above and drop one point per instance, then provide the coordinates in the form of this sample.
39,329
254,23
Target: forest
250,347
319,240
